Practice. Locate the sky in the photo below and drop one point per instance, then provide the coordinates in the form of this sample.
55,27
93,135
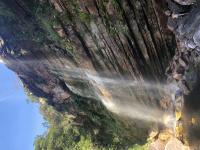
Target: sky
20,120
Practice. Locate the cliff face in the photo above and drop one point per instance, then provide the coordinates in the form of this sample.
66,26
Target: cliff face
110,38
184,68
54,45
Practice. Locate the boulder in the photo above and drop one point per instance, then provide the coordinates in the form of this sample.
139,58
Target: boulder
174,144
157,145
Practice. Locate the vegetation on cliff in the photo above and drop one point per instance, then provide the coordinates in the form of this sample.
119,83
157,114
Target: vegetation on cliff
65,132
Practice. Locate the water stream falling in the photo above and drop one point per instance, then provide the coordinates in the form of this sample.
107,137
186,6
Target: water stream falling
126,98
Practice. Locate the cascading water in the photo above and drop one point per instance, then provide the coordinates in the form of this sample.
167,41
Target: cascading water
127,98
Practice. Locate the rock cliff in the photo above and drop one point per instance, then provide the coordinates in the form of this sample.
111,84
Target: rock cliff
54,45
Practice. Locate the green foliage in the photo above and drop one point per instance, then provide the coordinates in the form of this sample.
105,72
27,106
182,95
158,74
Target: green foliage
77,14
46,17
114,26
99,131
62,134
49,19
84,144
84,17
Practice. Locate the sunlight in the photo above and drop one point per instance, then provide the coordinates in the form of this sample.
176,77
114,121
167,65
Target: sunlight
1,61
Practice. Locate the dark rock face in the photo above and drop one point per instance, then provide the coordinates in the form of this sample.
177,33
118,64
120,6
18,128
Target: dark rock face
184,68
47,42
130,41
185,64
185,2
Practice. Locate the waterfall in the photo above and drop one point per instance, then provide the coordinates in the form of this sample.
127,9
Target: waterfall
127,98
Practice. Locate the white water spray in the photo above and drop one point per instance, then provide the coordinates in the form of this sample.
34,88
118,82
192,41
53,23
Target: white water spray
140,112
126,98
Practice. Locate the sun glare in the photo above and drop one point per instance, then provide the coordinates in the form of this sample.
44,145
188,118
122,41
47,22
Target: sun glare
1,61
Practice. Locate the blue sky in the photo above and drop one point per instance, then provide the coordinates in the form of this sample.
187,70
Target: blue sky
20,121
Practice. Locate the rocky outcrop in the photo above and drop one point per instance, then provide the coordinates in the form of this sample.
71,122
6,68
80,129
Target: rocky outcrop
184,67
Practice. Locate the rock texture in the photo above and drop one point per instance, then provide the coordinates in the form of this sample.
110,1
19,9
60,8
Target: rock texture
184,68
128,39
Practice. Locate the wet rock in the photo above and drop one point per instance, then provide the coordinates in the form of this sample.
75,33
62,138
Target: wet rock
153,135
189,24
167,13
60,31
168,70
57,5
88,6
166,103
174,6
184,69
196,38
174,144
157,145
178,103
171,24
170,79
190,44
185,2
184,57
178,115
182,63
177,76
184,87
178,93
165,135
59,94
